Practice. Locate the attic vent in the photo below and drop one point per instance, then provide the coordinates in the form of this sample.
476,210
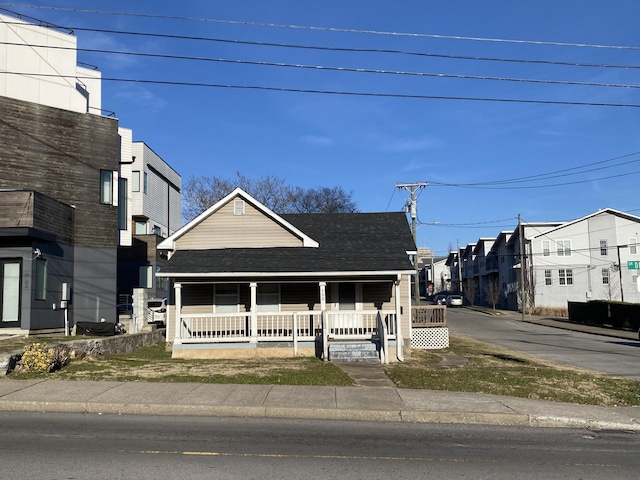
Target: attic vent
238,207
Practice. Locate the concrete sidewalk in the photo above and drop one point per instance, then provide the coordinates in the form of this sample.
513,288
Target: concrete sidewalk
280,401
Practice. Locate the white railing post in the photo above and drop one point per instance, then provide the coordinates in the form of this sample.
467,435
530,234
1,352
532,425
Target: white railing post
177,337
294,333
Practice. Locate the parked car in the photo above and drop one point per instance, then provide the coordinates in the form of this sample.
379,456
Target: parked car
157,311
439,299
455,301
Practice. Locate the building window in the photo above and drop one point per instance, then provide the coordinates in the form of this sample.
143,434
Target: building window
135,181
141,228
145,276
546,248
563,248
161,282
10,291
268,297
634,279
157,230
122,204
603,248
633,245
145,183
226,298
565,276
547,277
41,279
605,276
106,187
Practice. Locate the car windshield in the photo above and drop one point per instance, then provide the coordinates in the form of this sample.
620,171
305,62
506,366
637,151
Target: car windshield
154,304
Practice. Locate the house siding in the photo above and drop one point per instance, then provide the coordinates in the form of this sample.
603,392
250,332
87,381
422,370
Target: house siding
226,230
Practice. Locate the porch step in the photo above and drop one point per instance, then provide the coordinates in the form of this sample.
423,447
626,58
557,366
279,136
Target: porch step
353,352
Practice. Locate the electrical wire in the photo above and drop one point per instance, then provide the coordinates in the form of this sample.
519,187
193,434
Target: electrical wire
337,92
329,68
349,49
327,29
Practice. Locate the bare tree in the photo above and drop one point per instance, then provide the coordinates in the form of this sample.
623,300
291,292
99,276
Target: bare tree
200,193
492,291
611,288
471,287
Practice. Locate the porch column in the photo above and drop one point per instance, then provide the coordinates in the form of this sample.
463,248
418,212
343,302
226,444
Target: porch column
253,286
399,341
323,295
177,288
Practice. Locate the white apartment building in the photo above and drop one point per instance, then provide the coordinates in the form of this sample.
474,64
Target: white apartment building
587,259
596,257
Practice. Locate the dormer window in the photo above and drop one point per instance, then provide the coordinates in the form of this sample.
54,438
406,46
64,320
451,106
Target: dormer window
238,207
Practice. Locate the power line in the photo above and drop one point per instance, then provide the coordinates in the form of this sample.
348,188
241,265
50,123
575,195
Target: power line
328,68
329,29
550,175
337,92
349,49
534,186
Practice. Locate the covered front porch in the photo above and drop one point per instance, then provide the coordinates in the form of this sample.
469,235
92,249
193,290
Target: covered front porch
286,317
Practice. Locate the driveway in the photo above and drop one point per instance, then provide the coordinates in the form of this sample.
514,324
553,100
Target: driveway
615,356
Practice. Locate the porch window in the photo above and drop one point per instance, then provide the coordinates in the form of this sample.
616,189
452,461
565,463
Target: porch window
226,298
10,293
41,279
268,297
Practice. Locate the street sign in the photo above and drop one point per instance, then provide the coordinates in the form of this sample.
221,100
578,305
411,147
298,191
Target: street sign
633,265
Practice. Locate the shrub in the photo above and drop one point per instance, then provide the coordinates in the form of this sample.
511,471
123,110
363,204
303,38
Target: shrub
38,358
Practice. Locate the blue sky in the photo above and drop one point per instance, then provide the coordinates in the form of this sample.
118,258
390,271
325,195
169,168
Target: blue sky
368,144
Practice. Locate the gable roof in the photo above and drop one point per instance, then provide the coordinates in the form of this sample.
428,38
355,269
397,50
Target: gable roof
610,211
169,243
366,243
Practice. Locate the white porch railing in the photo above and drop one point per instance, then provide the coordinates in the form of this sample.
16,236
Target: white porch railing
237,327
282,326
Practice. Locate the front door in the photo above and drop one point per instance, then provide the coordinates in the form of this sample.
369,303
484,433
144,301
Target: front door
9,293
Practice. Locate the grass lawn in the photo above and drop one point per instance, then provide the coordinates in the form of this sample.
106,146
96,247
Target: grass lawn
489,369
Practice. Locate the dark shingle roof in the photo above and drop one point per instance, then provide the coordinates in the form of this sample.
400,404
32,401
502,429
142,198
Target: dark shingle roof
349,242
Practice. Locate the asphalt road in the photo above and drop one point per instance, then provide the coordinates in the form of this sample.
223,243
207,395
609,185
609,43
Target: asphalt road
68,446
594,352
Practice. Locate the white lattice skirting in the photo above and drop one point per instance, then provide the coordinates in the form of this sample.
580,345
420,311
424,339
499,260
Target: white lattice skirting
434,338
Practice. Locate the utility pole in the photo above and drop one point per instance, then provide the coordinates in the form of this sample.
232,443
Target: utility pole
523,299
414,230
459,268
